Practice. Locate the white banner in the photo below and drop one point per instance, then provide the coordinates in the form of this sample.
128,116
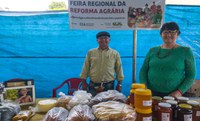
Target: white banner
116,14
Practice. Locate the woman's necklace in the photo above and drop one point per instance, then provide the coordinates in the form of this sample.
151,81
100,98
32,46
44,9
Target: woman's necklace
160,56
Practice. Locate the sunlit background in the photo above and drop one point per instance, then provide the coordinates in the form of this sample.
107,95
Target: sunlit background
29,5
44,5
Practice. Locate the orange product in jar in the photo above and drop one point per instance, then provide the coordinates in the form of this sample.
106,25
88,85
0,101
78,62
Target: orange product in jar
143,114
143,99
195,110
184,112
164,112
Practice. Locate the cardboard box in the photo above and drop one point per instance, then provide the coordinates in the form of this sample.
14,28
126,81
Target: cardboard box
194,90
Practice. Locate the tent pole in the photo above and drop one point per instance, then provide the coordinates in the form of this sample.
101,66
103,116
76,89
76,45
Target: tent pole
134,54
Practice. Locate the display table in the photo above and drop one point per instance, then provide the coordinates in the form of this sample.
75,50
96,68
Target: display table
40,116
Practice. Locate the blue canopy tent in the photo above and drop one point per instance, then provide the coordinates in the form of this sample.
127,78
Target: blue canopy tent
40,46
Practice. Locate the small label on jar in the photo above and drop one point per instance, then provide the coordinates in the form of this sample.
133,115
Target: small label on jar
147,118
165,117
198,113
188,117
147,103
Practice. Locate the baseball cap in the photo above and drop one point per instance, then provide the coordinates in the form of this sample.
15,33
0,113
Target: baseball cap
102,33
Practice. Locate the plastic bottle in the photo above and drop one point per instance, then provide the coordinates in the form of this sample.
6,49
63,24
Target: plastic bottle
143,99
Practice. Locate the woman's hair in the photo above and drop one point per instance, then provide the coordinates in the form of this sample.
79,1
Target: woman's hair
170,26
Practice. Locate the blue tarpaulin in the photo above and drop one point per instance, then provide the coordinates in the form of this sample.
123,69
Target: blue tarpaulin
40,46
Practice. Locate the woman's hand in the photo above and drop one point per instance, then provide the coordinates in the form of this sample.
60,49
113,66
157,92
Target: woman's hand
176,93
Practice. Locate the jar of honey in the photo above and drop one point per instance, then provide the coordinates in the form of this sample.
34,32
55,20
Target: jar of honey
143,114
143,99
135,86
182,100
128,100
132,97
164,112
155,101
184,112
168,98
174,107
195,110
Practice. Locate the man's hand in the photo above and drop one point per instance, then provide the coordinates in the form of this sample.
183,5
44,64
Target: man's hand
84,85
119,87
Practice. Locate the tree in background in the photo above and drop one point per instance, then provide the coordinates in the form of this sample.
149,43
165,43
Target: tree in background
57,6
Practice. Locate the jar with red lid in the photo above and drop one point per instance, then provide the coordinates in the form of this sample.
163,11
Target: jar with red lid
155,101
195,110
174,107
143,114
184,112
164,112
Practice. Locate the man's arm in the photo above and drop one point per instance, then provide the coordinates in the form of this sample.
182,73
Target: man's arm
119,86
85,71
119,72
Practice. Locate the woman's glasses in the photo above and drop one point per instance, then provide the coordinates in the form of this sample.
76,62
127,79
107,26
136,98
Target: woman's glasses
103,37
170,32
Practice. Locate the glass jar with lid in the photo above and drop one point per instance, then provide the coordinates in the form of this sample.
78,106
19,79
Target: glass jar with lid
182,99
164,112
143,99
184,112
168,98
155,101
195,110
174,107
143,114
128,100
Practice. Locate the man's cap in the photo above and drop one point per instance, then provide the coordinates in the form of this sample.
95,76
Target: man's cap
102,33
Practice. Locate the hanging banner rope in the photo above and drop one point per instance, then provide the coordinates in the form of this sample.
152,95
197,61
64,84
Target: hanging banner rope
116,14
